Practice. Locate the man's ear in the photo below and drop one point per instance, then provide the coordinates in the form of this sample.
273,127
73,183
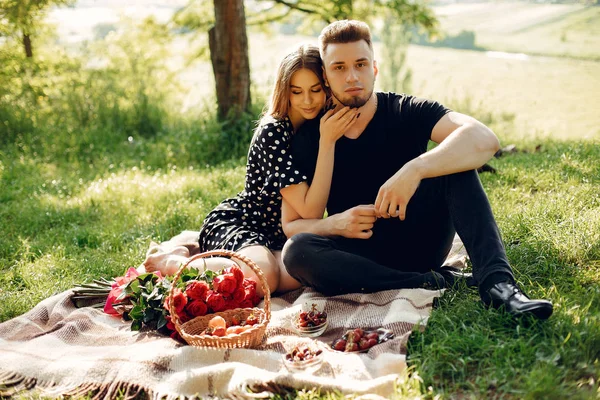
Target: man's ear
375,69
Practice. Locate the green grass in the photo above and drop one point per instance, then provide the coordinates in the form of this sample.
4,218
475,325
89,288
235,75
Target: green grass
548,207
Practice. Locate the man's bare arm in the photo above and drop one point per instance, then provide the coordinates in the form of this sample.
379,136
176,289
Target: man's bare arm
464,144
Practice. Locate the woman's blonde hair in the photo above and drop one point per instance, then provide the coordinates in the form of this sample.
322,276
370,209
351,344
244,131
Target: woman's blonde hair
305,56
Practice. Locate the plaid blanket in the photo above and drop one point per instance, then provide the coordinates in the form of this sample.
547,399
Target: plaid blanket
59,350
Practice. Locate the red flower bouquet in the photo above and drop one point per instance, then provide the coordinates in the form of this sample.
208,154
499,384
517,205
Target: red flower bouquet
144,298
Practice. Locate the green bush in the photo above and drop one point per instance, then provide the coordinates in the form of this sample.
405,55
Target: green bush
113,102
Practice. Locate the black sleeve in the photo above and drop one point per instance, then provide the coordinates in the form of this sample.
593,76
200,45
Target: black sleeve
305,149
422,115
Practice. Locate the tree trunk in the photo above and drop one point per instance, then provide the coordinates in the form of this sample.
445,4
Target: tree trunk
27,45
228,44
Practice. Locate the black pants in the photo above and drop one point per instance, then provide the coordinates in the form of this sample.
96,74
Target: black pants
400,252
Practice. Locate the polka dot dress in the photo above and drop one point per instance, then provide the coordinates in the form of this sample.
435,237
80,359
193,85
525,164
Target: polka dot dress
253,217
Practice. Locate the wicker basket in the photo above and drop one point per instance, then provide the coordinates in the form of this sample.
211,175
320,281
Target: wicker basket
252,337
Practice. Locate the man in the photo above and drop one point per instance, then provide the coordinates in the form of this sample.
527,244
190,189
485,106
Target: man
394,207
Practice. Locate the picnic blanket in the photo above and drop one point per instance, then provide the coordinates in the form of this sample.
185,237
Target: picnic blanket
59,350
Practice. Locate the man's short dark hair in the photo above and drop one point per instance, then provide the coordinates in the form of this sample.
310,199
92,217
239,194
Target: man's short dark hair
345,31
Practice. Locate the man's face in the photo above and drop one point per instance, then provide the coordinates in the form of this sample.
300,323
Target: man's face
350,71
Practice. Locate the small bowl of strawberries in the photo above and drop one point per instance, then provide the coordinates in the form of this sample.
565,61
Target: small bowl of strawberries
303,358
360,340
310,322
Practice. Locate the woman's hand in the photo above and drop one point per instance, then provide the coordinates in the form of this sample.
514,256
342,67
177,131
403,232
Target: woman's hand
335,123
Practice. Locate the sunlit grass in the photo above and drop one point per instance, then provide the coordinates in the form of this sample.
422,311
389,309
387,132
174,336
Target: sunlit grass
549,217
76,228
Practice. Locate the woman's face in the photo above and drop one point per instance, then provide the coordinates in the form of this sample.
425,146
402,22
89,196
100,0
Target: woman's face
307,97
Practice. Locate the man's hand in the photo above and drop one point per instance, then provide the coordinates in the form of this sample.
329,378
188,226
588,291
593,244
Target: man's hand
355,223
396,192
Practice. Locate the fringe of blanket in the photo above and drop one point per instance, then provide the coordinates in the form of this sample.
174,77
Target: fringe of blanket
261,390
12,384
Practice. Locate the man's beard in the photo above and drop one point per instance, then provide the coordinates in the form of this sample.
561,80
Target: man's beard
353,101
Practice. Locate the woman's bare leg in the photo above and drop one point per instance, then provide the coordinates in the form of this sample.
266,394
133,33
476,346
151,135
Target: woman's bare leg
267,262
286,282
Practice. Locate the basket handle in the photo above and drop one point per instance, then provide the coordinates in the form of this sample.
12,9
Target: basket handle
234,256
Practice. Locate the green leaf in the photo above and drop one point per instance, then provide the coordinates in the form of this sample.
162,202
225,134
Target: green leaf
135,286
162,321
189,274
136,312
149,315
136,325
208,276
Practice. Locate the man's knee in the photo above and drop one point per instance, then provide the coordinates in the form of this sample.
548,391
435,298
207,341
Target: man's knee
296,252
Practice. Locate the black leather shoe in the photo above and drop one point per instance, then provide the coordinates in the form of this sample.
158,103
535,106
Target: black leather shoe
515,302
432,280
454,276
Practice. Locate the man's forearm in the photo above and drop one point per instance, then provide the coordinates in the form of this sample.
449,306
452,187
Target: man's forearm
468,147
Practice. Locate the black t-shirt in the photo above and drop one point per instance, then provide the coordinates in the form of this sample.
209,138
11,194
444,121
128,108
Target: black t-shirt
399,132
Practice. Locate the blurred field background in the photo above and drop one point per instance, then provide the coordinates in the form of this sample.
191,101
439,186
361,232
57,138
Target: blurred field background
109,139
537,63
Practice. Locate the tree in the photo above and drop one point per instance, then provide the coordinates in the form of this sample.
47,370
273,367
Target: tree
228,45
395,76
22,17
228,41
405,12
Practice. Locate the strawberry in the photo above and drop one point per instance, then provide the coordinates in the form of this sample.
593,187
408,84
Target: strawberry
219,331
363,344
339,345
251,320
358,333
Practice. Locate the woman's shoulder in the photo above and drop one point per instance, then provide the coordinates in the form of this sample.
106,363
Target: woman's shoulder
270,123
274,128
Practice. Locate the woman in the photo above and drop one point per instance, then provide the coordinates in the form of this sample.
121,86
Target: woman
250,223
